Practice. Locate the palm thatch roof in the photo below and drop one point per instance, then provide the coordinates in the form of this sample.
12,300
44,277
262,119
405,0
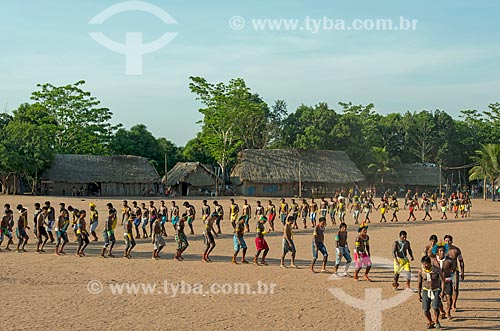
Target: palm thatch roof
70,168
279,166
193,173
415,174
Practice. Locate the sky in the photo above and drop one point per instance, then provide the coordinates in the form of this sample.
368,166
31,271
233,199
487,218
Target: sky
450,61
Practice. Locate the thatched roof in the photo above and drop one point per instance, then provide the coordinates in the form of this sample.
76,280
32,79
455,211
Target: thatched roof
282,166
414,174
193,173
69,168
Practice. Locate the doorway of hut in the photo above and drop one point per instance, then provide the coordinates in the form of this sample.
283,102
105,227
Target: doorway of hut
94,189
184,189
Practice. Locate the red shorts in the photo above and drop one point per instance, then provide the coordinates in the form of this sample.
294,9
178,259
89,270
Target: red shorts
261,244
271,217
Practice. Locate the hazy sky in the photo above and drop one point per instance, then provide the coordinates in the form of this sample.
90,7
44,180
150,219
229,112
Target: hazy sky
451,61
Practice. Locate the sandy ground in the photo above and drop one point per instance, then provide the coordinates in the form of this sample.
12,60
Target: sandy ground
47,292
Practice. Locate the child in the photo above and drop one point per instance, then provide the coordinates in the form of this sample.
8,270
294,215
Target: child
342,249
260,242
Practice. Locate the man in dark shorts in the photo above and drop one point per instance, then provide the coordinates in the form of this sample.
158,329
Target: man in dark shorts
430,282
445,264
318,244
158,241
288,244
455,255
342,250
22,225
5,226
180,238
41,232
82,234
220,214
128,236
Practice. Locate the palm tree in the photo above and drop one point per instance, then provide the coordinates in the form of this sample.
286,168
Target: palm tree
487,161
382,162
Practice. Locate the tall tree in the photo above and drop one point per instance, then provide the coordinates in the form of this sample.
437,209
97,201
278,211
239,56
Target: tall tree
488,166
82,126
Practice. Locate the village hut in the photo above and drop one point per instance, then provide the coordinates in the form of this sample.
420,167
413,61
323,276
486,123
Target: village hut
418,176
191,179
120,175
279,172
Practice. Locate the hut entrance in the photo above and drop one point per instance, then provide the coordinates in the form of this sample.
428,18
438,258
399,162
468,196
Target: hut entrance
184,189
94,188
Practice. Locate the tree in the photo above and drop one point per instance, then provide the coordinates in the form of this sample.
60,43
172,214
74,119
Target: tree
80,125
487,167
382,163
26,152
233,118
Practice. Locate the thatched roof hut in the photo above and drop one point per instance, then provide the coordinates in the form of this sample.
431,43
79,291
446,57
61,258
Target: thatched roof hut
191,178
102,175
276,172
415,175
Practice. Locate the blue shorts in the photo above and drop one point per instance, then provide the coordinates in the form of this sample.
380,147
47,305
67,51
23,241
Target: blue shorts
237,245
318,247
313,216
344,251
163,220
175,220
137,222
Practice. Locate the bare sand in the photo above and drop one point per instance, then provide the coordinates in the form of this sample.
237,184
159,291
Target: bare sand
48,292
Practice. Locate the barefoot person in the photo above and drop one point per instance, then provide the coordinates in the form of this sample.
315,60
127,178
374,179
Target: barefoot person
260,242
82,234
455,255
445,264
356,206
288,244
136,213
235,209
220,215
62,230
180,238
22,226
145,220
362,252
246,211
318,244
126,211
239,242
191,213
208,236
41,232
294,208
158,241
314,210
401,250
128,237
174,215
108,235
271,215
342,250
304,212
430,282
4,227
94,220
163,215
50,220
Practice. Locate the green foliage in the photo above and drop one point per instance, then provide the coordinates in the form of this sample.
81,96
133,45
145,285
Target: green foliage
487,166
78,124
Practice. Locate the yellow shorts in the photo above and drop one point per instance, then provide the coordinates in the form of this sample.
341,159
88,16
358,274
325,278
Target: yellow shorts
400,265
382,211
234,217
